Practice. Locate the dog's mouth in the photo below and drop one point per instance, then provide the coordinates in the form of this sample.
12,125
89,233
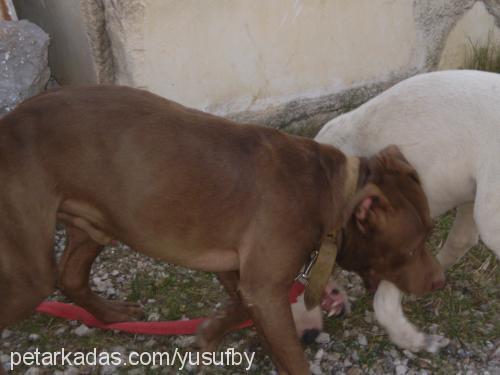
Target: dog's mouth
328,301
332,303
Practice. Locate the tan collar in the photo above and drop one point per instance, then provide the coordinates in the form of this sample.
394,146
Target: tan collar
351,179
322,261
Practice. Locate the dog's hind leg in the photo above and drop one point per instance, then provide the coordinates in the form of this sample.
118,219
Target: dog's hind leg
463,235
27,265
212,330
486,214
74,270
26,279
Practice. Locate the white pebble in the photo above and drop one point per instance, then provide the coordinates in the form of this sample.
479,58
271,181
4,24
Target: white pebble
323,338
82,330
362,340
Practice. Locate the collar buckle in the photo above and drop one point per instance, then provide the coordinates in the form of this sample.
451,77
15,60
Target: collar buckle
304,276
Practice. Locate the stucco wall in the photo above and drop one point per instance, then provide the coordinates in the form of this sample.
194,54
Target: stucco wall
241,55
285,63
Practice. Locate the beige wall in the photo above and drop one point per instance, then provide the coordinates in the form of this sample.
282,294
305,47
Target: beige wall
257,56
241,55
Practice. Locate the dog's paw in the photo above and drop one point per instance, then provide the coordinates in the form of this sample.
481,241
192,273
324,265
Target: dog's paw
116,311
433,343
415,341
209,335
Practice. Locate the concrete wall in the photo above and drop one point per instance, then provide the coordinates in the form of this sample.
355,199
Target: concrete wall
285,63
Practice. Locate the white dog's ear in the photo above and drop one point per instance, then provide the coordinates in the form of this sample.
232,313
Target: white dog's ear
369,208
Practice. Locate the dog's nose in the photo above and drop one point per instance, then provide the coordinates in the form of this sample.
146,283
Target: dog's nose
438,284
309,336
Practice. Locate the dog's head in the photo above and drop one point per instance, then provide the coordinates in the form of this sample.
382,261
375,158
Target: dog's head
386,226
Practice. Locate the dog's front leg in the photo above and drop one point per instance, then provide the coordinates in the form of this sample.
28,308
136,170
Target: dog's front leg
212,330
389,313
264,290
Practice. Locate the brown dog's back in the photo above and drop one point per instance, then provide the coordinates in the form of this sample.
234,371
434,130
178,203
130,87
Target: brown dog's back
189,168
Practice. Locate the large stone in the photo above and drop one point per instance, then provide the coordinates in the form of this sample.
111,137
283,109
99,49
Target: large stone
23,62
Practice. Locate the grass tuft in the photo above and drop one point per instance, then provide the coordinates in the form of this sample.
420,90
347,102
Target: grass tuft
484,57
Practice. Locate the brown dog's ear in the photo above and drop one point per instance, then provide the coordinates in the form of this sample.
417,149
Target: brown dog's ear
393,160
369,208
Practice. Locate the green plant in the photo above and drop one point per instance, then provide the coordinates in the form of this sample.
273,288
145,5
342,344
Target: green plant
485,57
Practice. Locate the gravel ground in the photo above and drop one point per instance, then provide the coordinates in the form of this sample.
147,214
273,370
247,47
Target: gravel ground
466,312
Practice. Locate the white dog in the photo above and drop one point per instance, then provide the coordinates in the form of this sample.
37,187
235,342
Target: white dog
447,124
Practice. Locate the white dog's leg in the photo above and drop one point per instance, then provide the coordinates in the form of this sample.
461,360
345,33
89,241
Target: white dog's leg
463,235
389,313
487,212
308,323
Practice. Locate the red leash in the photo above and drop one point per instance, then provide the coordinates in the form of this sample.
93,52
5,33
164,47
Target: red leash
175,327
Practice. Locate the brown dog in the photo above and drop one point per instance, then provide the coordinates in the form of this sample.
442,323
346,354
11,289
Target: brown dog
247,202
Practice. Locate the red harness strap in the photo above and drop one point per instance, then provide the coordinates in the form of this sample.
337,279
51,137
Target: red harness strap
175,327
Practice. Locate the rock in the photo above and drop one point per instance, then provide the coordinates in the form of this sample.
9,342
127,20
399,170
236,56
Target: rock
496,353
118,349
362,340
401,369
334,357
82,330
316,369
136,371
323,338
6,334
184,341
354,371
23,62
71,371
409,354
60,331
5,361
34,337
368,317
33,371
319,356
107,370
153,317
